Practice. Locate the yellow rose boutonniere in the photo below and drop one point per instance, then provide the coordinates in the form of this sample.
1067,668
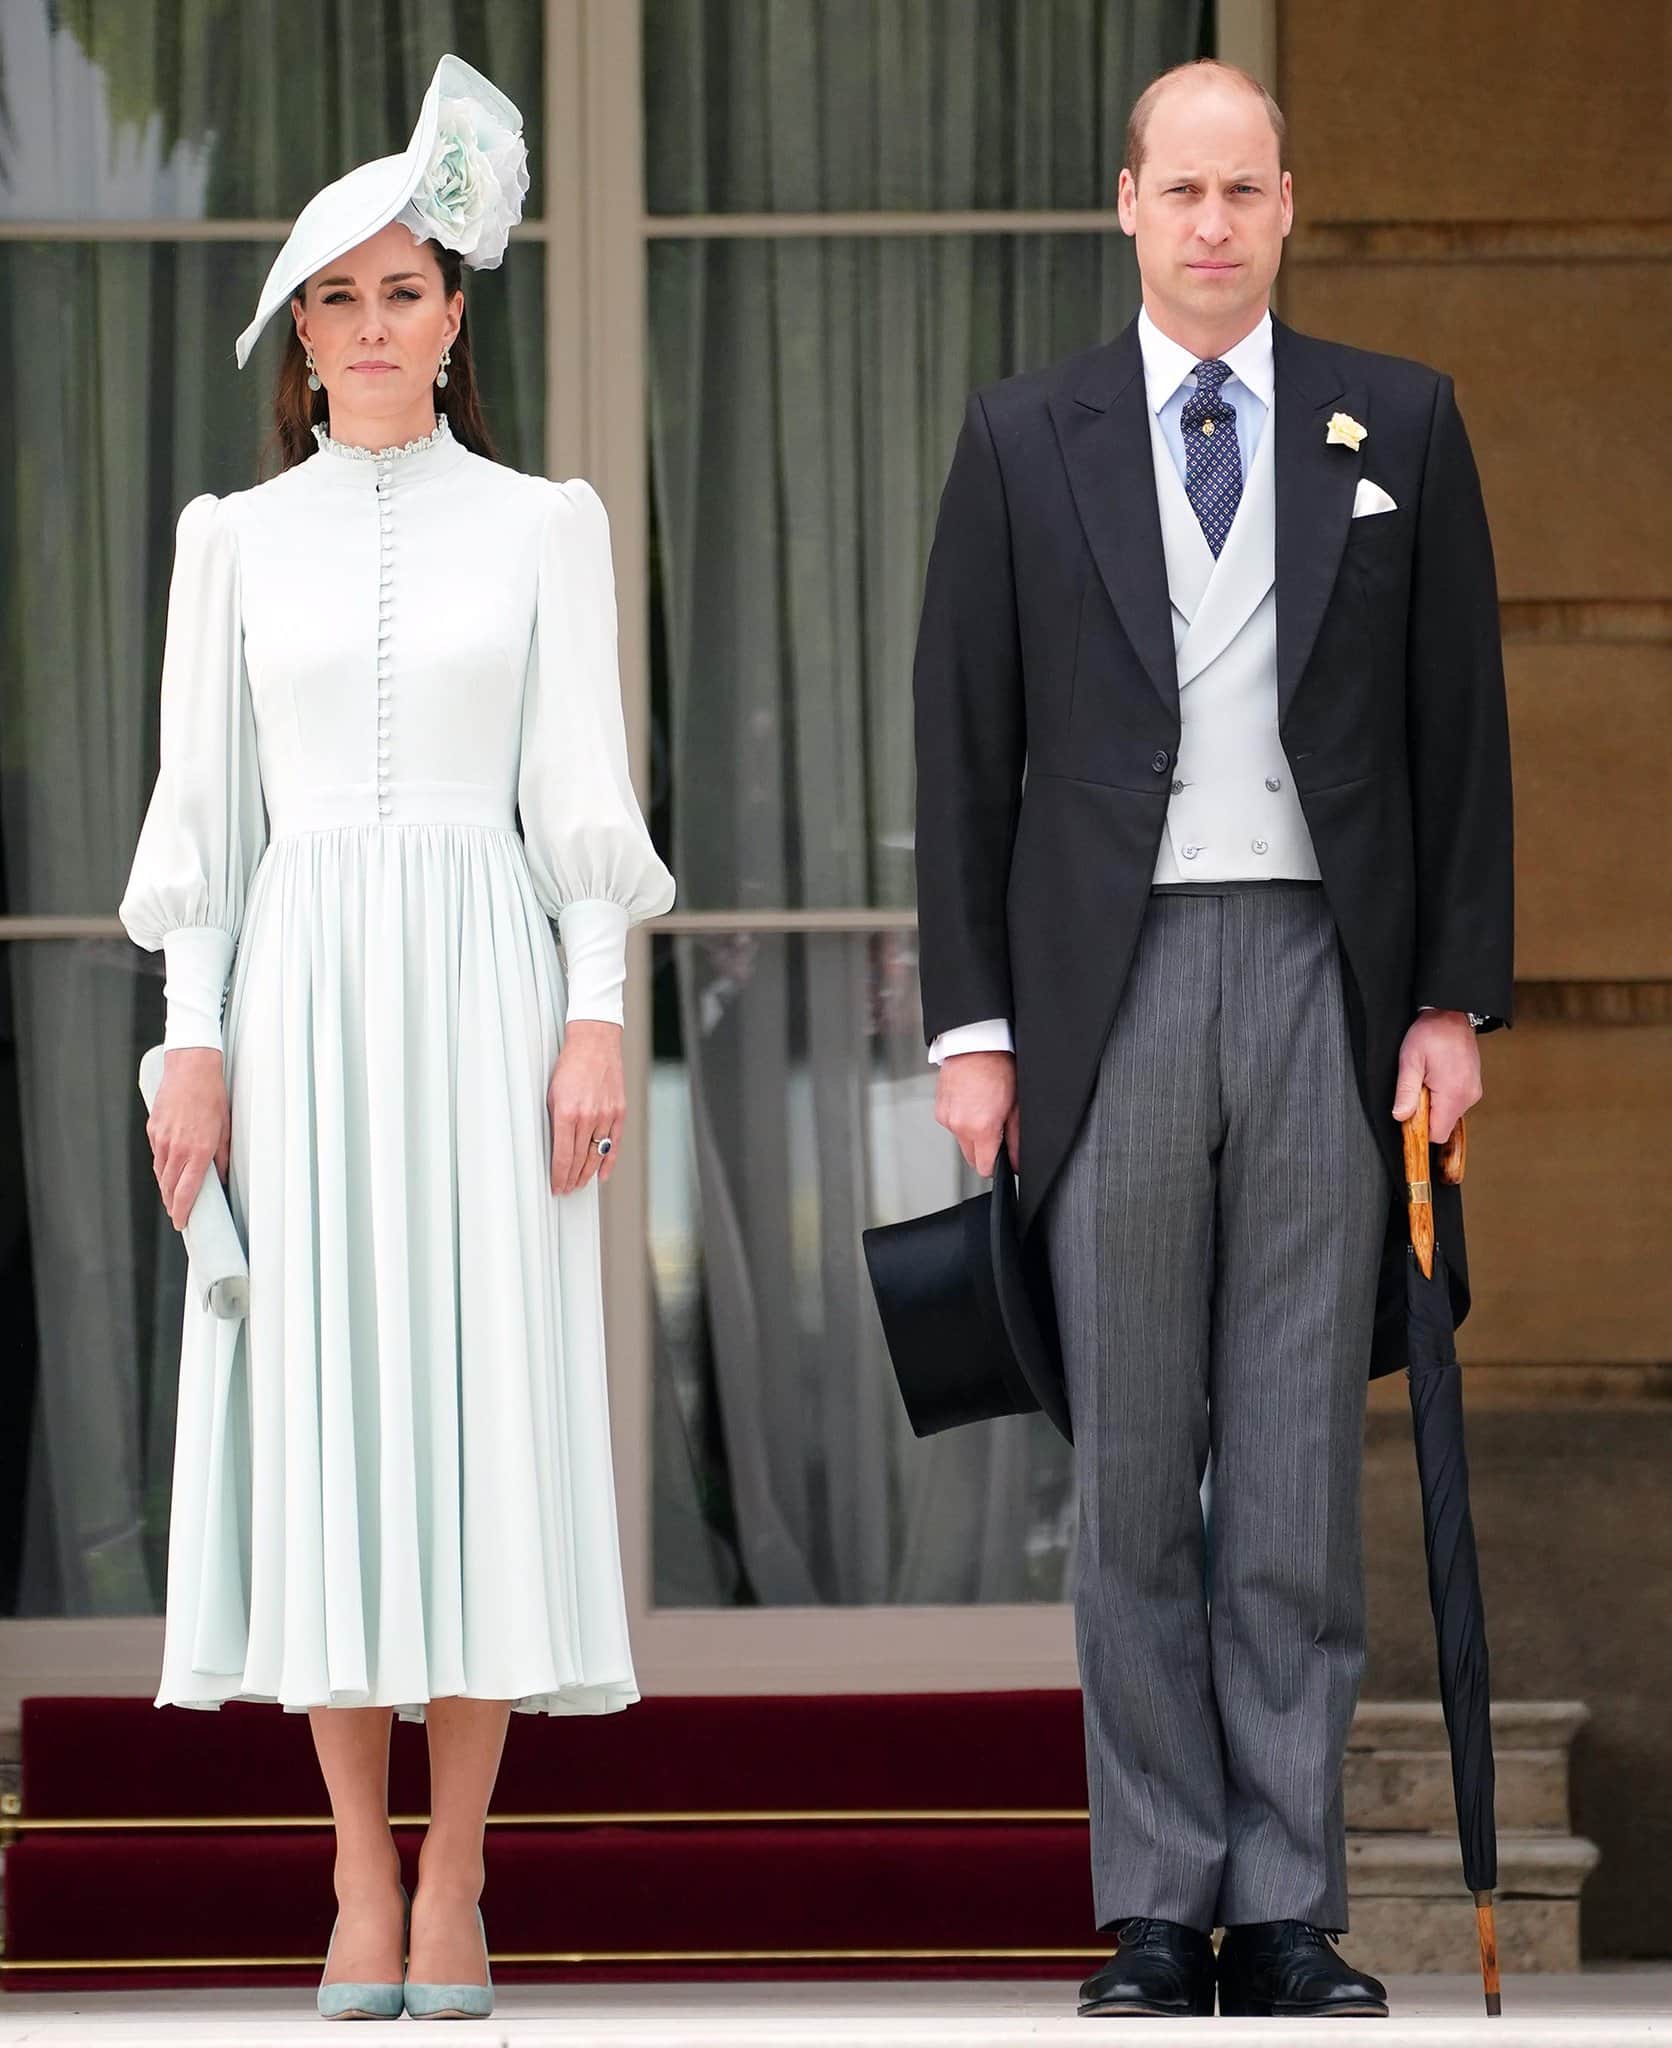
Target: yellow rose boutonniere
1345,429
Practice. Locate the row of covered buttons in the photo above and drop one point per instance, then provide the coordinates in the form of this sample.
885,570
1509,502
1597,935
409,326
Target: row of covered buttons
385,609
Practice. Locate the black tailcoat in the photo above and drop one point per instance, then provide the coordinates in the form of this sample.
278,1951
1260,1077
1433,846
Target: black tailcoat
1047,719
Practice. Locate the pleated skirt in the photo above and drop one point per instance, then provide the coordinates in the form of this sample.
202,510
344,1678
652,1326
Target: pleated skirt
392,1480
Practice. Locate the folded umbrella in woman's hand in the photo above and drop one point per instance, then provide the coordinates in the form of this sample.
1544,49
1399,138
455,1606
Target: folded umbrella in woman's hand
220,1273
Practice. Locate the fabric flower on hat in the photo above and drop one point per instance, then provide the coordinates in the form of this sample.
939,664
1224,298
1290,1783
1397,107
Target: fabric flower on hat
471,193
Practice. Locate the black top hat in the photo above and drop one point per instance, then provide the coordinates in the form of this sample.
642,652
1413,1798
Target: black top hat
967,1312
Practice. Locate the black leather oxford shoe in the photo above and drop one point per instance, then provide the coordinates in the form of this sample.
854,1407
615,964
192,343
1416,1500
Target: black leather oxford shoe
1287,1969
1159,1969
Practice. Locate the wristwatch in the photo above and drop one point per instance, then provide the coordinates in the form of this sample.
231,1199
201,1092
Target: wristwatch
1482,1020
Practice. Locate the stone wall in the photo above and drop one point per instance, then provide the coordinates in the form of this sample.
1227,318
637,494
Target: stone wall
1489,189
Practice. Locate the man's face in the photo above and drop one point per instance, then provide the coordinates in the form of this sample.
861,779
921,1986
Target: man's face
1210,208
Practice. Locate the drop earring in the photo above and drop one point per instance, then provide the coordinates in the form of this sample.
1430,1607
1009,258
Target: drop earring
441,374
313,374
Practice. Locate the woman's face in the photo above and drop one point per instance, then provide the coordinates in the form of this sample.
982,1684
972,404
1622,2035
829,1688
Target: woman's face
377,323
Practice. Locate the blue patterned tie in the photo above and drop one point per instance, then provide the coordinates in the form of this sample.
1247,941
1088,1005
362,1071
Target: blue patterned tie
1212,463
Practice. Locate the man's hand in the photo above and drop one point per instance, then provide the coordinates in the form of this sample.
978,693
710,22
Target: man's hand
1439,1049
976,1100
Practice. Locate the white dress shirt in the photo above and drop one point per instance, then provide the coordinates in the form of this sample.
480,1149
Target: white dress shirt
1169,378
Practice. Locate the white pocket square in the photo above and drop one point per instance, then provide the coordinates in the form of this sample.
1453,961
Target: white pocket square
1371,497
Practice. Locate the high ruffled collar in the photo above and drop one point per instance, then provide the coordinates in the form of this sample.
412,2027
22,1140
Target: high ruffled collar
346,452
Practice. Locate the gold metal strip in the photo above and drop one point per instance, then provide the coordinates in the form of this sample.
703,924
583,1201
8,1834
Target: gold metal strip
1419,1191
766,1817
512,1957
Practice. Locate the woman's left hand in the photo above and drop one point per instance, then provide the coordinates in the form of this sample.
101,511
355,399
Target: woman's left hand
587,1100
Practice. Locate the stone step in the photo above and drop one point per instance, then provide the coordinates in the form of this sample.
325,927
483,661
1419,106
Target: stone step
1420,1724
1409,1909
1598,2010
1539,1725
1398,1770
1530,1864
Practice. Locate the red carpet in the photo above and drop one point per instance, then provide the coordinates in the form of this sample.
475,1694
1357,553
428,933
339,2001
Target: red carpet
712,1868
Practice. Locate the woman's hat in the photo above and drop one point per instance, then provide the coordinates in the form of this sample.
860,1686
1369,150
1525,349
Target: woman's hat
460,182
967,1311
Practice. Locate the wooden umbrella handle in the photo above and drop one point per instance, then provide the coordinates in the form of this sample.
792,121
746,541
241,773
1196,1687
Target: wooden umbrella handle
1487,1928
1454,1154
1419,1192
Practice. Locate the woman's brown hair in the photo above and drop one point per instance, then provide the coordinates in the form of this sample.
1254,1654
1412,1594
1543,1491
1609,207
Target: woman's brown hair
297,410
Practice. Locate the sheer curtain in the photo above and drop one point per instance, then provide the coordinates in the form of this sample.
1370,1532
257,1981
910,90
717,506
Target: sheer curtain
804,395
117,357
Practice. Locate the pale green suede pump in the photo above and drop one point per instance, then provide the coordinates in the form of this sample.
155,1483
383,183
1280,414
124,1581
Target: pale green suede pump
453,2001
362,2001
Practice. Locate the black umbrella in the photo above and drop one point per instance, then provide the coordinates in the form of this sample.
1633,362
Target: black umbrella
1449,1534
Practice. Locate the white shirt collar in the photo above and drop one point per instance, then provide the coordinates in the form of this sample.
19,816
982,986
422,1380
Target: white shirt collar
1167,363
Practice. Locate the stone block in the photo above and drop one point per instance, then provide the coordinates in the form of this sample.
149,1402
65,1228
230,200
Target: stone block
1394,1937
1398,1769
1410,1912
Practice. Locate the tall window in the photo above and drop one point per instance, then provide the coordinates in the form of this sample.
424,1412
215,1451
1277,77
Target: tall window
152,155
855,212
856,215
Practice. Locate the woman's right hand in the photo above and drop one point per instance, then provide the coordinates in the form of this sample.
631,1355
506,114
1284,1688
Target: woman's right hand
190,1125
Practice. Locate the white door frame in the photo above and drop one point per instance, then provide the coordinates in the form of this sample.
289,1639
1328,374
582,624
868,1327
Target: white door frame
758,1649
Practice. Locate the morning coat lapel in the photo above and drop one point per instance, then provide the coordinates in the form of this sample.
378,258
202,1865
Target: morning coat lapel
1315,485
1102,423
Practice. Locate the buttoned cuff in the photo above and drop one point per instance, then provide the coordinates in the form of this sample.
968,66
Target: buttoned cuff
992,1034
594,935
198,960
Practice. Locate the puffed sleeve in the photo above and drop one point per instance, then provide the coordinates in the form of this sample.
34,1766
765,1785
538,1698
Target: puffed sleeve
205,827
595,869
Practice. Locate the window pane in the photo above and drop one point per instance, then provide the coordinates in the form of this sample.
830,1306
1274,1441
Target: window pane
830,106
94,1279
127,404
231,109
790,1107
805,396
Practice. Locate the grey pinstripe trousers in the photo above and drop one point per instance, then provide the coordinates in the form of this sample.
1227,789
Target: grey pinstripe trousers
1214,1239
